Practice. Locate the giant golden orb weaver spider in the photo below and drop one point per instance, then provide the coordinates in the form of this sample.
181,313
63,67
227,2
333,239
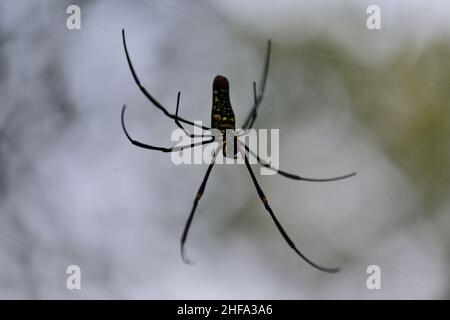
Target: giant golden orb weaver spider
222,119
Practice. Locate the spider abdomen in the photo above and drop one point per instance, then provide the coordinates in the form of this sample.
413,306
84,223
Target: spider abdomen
222,115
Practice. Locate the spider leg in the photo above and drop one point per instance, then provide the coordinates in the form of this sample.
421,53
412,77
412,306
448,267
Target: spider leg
255,98
177,122
194,207
163,149
147,94
294,176
258,97
277,223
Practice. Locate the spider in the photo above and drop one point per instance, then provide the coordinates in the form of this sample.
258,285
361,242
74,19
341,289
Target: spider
222,119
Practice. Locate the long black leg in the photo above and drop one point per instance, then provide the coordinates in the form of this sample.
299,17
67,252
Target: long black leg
148,95
163,149
290,175
255,97
194,206
280,228
180,125
258,97
255,113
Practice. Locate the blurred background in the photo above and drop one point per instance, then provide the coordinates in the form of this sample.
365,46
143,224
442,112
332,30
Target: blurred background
73,190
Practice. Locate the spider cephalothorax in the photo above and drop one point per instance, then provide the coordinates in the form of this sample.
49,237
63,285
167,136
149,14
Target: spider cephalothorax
223,120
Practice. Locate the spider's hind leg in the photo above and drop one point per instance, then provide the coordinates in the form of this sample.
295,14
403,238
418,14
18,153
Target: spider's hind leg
163,149
150,97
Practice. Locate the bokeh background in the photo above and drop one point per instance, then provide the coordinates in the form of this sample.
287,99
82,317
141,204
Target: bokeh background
74,191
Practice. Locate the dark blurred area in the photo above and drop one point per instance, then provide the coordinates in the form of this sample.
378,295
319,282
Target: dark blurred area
73,190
